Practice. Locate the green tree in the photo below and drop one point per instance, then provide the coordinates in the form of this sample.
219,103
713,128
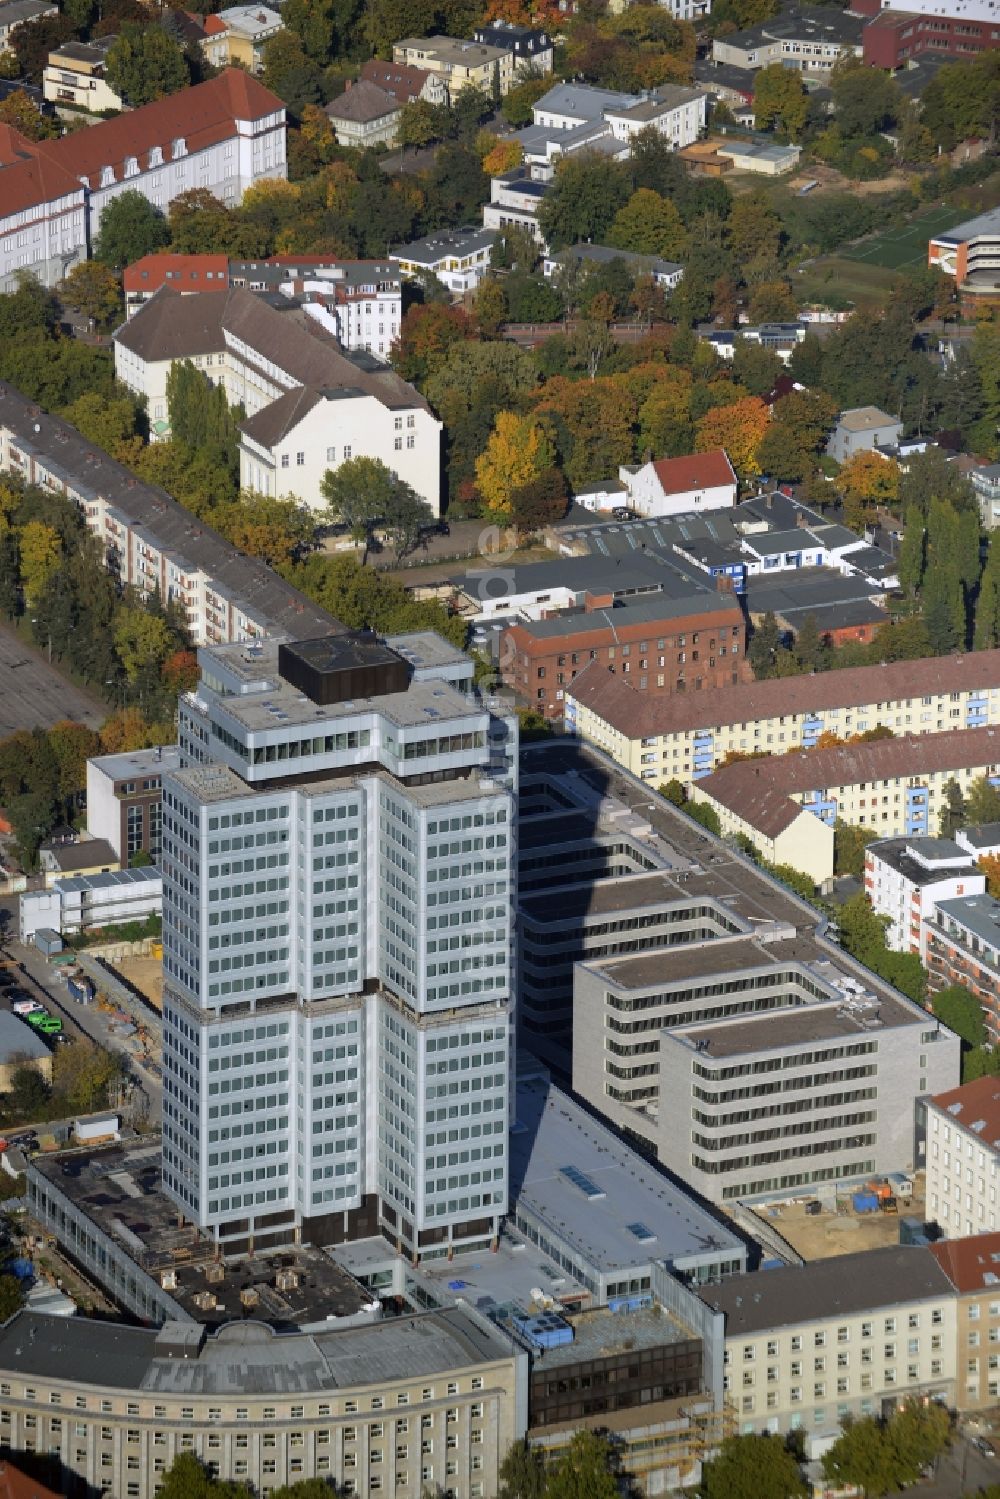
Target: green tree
583,200
861,1456
146,64
522,1473
962,1013
849,844
865,101
912,553
109,424
406,519
706,814
93,289
986,634
11,1296
764,645
753,1467
188,1478
649,225
358,495
130,228
28,1095
809,648
142,641
780,99
953,814
587,1470
673,792
982,803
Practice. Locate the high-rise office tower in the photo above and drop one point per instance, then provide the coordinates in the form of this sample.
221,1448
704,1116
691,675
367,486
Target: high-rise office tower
338,866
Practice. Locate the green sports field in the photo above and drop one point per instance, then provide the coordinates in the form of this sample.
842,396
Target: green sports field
896,249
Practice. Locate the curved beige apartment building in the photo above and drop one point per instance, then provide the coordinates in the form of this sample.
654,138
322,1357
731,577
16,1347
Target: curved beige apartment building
432,1399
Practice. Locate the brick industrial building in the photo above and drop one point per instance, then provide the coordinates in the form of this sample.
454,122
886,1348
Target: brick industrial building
662,645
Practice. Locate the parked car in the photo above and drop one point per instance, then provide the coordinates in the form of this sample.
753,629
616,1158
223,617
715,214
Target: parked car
985,1446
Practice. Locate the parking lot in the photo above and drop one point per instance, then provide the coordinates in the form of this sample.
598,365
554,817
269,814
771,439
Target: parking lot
33,694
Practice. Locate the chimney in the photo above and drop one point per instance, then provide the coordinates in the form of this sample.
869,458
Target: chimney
800,520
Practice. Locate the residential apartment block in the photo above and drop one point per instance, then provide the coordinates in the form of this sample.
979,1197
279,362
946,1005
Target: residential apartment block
364,115
310,406
369,932
148,540
970,1264
223,135
898,786
860,430
855,1335
690,737
433,1397
962,1135
575,116
533,49
124,799
540,658
963,947
906,878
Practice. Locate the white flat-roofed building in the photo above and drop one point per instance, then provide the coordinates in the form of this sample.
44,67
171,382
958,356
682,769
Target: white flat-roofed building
459,258
905,878
81,903
705,1045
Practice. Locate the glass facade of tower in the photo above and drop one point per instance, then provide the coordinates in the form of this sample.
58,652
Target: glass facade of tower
338,887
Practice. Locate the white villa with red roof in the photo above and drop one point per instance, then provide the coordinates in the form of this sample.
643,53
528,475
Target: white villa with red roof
223,135
670,486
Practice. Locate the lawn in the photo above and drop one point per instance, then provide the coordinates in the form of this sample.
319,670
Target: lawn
905,246
861,282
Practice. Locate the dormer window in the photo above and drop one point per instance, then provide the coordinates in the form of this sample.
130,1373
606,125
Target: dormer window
131,166
156,156
179,147
107,176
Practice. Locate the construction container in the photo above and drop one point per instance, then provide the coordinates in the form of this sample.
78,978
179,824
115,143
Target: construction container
81,989
902,1186
48,941
97,1128
912,1231
865,1202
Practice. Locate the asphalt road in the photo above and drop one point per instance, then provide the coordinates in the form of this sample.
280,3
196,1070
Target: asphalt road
961,1470
33,694
39,982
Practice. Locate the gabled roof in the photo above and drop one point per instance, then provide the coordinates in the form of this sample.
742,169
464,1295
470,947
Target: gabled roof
974,1107
27,178
400,79
187,272
697,471
171,326
362,102
274,422
636,715
971,1264
200,116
